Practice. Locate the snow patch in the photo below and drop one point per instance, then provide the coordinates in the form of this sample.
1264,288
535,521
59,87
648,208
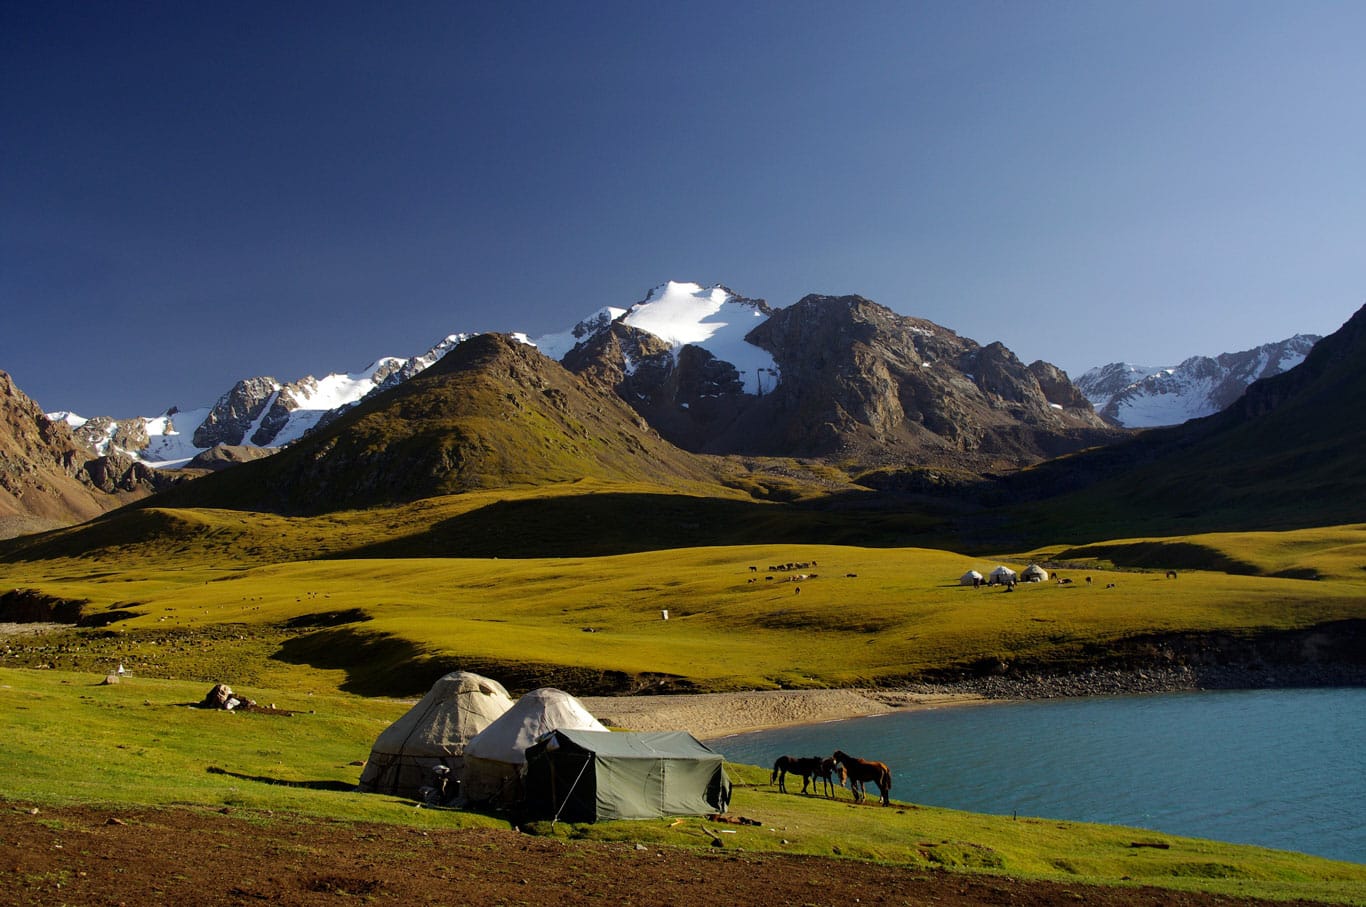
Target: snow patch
71,419
169,444
559,344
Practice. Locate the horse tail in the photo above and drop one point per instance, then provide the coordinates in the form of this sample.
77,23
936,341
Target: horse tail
773,775
886,785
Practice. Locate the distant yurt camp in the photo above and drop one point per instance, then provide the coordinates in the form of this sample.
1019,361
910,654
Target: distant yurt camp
1001,576
495,758
433,732
971,578
1034,574
591,776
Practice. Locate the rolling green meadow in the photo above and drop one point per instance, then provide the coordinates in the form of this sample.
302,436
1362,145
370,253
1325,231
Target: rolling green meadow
862,616
284,611
141,743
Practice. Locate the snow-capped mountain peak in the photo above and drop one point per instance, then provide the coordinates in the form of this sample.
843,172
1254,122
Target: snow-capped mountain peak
712,318
677,330
257,412
1140,397
682,313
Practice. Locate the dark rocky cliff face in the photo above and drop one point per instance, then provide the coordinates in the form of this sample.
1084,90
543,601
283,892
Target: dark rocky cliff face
1057,387
688,399
235,412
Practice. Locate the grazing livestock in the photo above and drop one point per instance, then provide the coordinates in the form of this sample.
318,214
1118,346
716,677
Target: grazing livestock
861,771
808,767
829,771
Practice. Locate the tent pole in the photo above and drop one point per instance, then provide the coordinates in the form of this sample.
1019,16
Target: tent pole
559,809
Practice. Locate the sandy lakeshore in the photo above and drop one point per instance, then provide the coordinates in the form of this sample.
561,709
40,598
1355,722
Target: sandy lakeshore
711,715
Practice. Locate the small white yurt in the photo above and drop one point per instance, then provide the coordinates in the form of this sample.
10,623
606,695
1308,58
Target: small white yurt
495,758
1002,576
433,732
971,578
1034,574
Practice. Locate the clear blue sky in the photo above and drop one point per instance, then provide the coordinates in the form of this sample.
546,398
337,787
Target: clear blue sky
195,192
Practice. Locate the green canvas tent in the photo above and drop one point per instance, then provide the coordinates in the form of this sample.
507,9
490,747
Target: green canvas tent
587,776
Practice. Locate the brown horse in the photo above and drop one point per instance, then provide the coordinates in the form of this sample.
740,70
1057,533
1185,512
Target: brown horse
827,772
807,766
861,771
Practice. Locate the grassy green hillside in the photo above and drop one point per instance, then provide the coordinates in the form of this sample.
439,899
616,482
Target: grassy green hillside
153,749
584,517
860,615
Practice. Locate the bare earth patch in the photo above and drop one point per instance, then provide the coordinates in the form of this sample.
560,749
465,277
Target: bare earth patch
183,856
8,630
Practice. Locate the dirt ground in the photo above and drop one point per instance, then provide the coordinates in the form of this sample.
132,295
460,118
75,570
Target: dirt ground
199,857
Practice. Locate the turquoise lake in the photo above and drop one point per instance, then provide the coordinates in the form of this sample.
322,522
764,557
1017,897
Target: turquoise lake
1276,768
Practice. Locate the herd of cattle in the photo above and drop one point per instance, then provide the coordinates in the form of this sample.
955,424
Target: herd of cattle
791,577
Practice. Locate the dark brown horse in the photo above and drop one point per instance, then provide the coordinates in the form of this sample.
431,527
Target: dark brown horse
807,766
827,773
861,771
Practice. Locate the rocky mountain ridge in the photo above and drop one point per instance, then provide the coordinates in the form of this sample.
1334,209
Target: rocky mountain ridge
257,412
715,372
48,478
840,380
1134,396
848,379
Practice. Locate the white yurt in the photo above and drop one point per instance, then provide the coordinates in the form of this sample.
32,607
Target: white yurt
1034,574
433,732
1002,576
495,758
971,578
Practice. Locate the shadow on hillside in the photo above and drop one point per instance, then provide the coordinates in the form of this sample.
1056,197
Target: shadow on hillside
382,665
375,664
265,779
617,523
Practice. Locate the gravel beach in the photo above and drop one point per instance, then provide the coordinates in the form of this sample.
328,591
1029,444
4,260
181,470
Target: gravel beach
711,715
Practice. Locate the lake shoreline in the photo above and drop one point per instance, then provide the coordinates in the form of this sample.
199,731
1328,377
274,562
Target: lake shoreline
709,716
